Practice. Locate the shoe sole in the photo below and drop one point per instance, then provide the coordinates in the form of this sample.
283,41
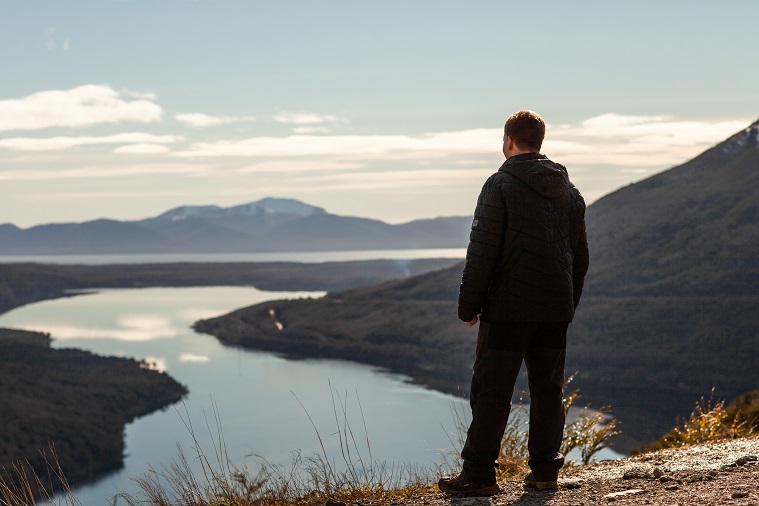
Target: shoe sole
542,485
481,492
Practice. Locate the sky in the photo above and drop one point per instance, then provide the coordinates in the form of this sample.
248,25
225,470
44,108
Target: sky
390,110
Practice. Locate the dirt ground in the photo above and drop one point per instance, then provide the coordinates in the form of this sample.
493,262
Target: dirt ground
711,474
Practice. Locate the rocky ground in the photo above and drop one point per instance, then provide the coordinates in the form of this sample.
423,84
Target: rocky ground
711,474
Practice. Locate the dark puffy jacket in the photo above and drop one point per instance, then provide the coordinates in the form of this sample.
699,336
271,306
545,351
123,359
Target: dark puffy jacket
528,249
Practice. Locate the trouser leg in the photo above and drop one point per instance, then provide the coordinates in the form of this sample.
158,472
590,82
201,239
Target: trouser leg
493,378
544,360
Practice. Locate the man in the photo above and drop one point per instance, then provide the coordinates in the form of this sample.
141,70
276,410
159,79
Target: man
525,267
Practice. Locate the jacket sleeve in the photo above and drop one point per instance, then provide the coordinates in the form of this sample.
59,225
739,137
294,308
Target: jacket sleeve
580,265
485,244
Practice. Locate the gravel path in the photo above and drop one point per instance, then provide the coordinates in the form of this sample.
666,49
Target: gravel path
711,474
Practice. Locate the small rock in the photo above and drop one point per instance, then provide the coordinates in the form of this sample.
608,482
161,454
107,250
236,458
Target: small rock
658,473
635,473
671,487
616,495
570,482
745,460
665,479
739,495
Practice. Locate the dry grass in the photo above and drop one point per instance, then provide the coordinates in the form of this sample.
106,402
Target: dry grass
352,476
710,420
21,485
589,434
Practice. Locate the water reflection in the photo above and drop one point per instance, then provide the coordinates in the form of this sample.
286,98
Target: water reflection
130,327
190,357
265,404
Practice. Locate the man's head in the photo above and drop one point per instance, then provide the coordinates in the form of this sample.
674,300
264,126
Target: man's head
523,133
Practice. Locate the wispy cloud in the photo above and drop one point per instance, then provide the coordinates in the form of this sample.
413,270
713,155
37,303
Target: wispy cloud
145,95
97,172
142,149
65,142
433,145
298,165
50,39
304,118
639,141
197,119
82,106
311,130
413,180
609,139
52,43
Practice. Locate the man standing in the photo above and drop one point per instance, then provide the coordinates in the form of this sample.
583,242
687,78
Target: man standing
525,267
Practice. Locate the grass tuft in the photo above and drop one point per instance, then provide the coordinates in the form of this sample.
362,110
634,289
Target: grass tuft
22,485
711,420
589,434
354,476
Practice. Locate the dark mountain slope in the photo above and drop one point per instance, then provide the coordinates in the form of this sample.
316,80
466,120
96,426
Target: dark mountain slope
103,236
669,311
672,296
692,230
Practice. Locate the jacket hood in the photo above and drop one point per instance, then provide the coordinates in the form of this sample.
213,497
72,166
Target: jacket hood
546,177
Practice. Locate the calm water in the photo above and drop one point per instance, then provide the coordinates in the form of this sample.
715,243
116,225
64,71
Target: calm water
257,396
306,257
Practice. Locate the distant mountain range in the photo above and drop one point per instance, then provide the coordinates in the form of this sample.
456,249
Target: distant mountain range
268,225
670,309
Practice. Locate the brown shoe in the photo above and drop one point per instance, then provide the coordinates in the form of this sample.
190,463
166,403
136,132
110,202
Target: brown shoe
531,482
460,485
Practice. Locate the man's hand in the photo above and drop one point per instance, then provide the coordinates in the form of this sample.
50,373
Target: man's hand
472,323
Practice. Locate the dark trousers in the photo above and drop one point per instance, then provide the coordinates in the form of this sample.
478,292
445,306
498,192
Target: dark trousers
501,349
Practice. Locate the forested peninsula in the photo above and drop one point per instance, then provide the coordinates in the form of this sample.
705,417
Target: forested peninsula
74,400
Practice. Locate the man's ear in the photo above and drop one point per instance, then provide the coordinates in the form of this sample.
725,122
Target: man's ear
510,144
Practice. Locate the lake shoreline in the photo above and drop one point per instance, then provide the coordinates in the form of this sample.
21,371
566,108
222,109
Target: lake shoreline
87,461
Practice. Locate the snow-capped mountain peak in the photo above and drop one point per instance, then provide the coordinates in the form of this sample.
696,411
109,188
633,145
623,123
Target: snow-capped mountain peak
266,206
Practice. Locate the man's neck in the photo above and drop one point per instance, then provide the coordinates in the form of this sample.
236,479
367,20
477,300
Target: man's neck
521,152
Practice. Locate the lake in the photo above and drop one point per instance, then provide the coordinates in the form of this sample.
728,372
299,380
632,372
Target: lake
264,402
302,256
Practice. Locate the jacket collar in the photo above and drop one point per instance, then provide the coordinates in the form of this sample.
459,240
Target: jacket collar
524,157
